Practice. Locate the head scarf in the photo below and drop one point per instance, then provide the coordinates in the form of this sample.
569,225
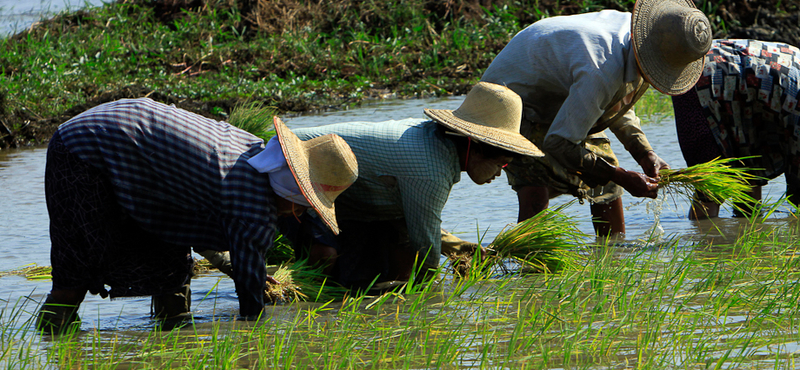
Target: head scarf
272,161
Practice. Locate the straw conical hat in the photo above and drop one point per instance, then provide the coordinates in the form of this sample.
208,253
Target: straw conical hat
492,114
323,166
670,39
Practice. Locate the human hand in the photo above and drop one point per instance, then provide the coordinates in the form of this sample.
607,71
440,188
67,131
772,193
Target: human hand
638,184
219,259
652,164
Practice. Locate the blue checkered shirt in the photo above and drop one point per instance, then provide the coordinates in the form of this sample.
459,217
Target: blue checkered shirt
186,179
413,153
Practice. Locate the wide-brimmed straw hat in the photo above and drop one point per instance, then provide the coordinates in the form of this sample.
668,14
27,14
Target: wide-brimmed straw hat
323,166
492,114
670,40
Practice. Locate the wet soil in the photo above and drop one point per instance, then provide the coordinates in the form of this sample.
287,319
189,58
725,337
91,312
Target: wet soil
770,20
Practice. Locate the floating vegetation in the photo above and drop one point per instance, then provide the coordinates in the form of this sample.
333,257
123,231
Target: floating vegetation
543,243
717,179
31,272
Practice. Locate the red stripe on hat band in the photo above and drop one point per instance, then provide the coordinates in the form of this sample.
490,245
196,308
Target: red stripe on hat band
326,187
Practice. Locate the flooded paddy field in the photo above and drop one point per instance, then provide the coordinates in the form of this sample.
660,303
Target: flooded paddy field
659,298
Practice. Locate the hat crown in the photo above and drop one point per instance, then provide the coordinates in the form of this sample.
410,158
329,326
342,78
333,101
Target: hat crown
670,39
332,166
491,114
683,34
493,106
323,166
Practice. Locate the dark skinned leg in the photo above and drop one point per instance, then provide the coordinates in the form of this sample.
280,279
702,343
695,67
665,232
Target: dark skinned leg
608,219
60,310
755,192
793,194
702,208
532,200
323,255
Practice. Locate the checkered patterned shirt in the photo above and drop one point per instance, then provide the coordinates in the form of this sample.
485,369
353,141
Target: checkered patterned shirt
405,169
186,179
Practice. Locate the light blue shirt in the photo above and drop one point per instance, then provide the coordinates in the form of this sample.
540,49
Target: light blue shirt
405,169
567,69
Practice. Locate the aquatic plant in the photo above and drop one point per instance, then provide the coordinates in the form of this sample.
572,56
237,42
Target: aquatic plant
30,271
717,179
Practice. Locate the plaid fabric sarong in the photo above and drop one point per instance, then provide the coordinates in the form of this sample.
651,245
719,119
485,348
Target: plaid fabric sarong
748,95
95,244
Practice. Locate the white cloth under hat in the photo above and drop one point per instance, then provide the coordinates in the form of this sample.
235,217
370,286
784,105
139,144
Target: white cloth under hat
272,161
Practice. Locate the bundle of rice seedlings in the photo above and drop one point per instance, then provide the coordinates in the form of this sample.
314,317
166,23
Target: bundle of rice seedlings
542,243
254,118
717,179
31,272
300,282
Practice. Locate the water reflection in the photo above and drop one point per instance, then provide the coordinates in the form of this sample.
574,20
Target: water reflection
16,15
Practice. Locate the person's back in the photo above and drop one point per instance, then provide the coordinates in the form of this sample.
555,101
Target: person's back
391,216
578,56
177,173
406,169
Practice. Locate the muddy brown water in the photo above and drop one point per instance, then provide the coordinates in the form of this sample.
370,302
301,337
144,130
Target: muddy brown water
474,213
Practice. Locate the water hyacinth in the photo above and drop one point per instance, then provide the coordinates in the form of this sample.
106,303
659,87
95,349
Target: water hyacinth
543,243
717,179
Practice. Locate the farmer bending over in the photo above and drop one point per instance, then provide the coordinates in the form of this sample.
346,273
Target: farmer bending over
392,214
580,74
744,104
131,185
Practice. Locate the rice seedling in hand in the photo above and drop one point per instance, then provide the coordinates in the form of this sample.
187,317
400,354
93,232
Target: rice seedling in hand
542,243
717,179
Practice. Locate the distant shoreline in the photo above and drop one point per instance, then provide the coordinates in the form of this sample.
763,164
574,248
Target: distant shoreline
207,57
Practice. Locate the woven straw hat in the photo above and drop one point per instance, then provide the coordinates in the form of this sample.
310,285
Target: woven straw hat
670,39
492,114
323,166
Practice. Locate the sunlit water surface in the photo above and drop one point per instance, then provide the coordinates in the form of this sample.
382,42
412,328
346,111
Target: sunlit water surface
16,16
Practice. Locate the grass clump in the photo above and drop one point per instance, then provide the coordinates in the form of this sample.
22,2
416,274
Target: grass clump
31,272
542,243
255,118
301,282
717,179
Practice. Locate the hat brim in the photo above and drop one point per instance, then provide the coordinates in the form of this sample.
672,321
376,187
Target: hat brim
297,159
502,139
663,76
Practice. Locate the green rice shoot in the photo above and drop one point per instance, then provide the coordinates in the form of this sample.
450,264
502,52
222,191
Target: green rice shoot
717,179
543,243
30,271
255,118
301,282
